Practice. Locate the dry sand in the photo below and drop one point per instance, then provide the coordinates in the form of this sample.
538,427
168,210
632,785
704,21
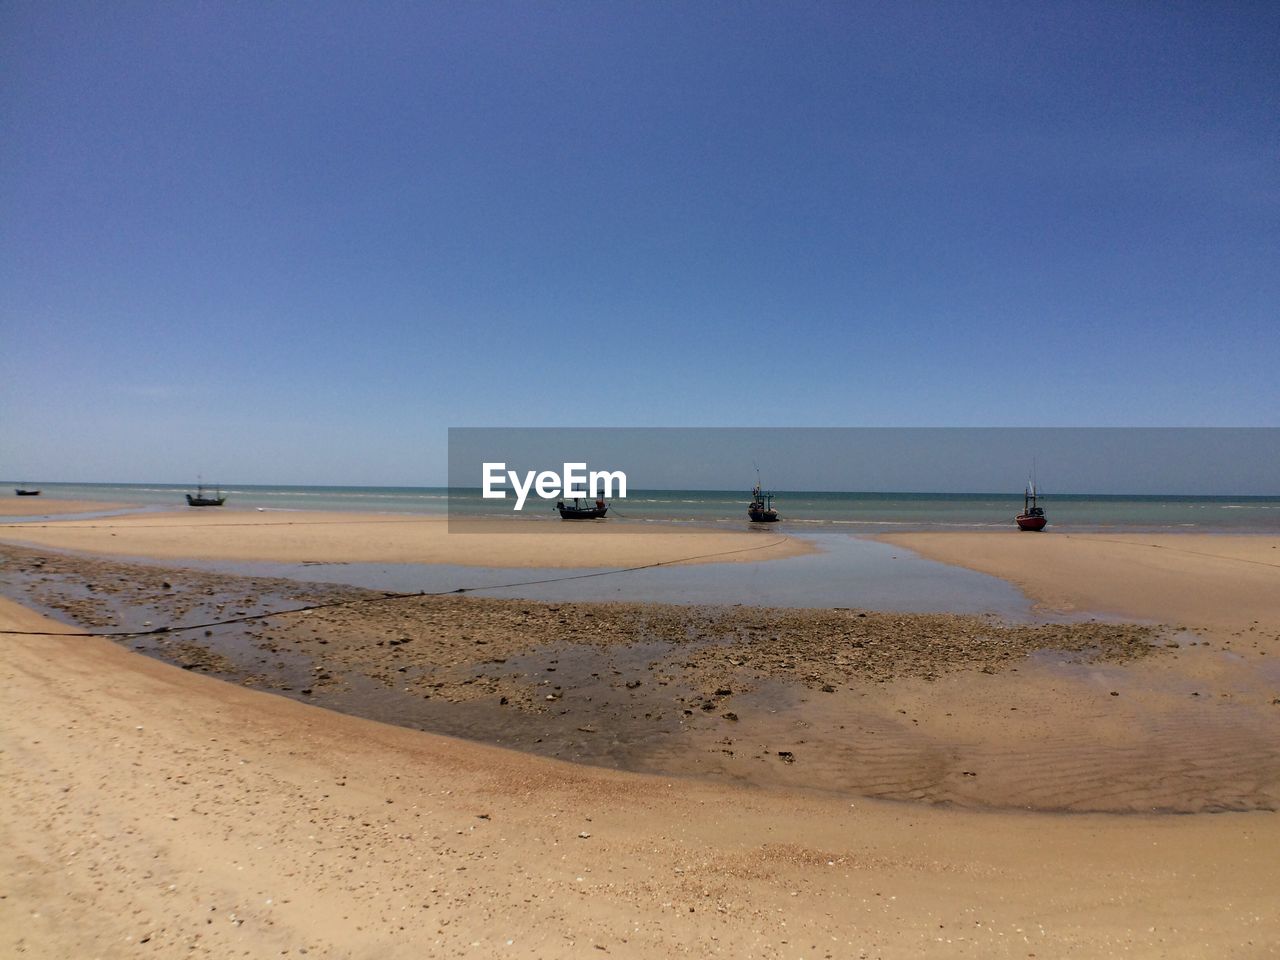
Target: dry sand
146,810
1209,580
296,537
151,812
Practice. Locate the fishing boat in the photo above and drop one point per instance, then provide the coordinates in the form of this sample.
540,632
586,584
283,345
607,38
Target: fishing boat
200,499
760,509
24,492
1032,517
581,510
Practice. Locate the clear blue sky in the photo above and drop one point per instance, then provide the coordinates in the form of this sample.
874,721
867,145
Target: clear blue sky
295,242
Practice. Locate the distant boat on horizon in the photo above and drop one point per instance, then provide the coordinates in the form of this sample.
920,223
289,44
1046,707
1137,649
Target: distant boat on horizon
199,499
25,492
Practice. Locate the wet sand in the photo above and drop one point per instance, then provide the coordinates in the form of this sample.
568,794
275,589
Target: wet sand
42,506
941,708
298,537
142,800
151,811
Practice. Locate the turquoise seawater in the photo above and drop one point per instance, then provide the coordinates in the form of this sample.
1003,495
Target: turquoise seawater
852,512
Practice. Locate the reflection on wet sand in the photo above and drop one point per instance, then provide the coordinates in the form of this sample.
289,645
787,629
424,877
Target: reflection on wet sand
940,708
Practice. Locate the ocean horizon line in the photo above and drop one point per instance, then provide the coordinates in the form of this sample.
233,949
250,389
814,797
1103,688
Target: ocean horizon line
162,485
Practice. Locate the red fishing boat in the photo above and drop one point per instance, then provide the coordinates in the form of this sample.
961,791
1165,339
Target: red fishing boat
1032,517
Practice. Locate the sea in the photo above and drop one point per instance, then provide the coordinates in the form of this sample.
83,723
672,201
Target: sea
854,512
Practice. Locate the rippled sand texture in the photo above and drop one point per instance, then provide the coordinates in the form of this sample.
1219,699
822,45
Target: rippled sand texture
151,811
941,708
144,807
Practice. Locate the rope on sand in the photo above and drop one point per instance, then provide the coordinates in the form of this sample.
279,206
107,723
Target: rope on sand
1165,546
388,597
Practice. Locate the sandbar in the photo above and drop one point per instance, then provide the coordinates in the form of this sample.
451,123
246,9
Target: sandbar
1194,580
298,537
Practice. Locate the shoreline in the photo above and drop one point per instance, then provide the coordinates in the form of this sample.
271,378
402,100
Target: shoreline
945,707
52,507
371,840
293,826
301,536
860,513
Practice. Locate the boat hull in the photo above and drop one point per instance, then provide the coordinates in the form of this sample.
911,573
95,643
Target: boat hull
205,501
26,493
1030,523
583,513
763,516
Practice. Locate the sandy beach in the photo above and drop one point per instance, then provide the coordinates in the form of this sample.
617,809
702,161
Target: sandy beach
506,480
710,809
1213,580
297,537
164,812
51,506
